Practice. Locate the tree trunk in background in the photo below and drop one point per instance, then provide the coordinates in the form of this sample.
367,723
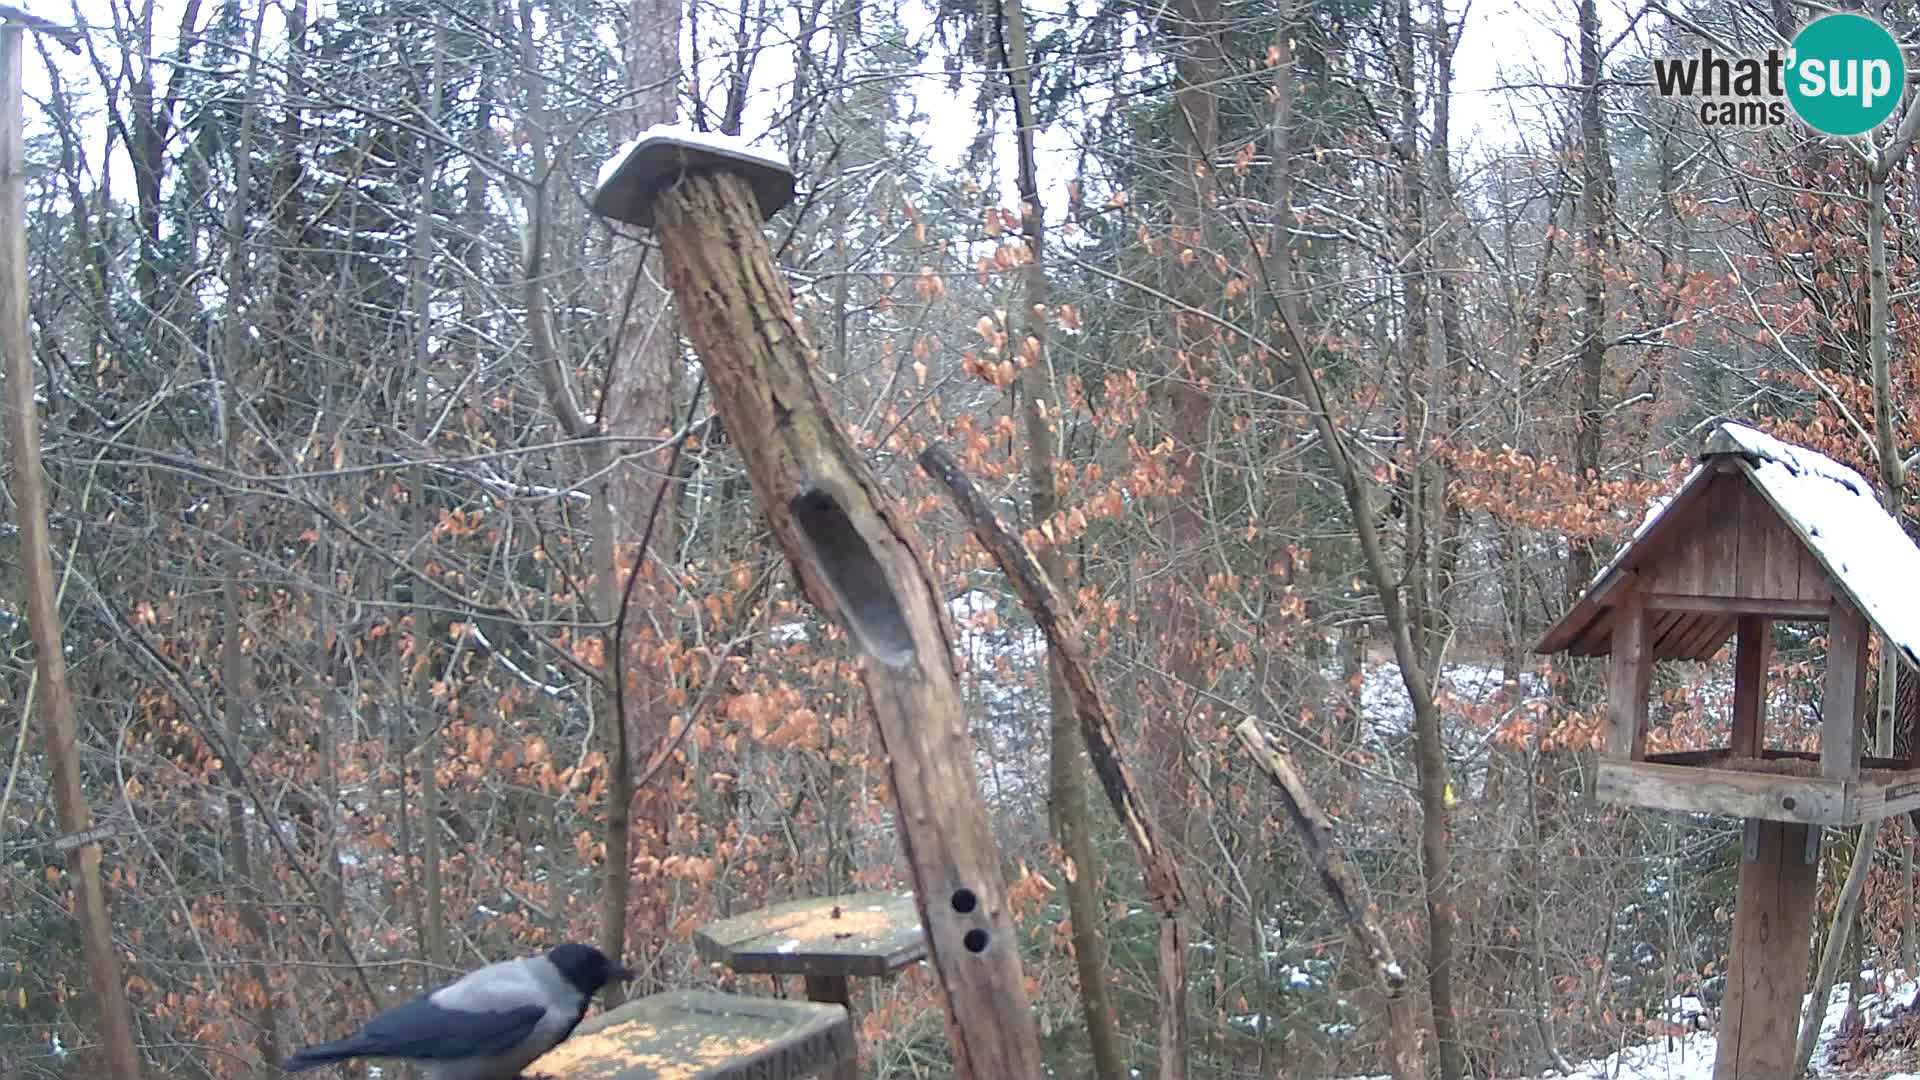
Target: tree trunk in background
1450,515
1430,754
58,730
1595,209
639,406
1072,823
237,690
1415,345
287,303
419,672
1183,629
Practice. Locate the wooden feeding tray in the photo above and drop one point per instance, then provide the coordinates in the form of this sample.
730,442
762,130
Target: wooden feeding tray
1779,785
828,941
859,934
704,1035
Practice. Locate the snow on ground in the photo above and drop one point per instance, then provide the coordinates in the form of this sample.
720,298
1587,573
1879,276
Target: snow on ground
1461,689
1690,1057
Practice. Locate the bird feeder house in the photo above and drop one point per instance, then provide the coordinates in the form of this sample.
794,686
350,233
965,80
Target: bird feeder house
1761,532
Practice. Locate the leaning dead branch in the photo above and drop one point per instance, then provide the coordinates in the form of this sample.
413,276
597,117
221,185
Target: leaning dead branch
1165,890
1344,887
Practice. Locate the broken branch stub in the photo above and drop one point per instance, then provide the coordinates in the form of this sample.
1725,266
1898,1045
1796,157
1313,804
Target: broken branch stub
858,559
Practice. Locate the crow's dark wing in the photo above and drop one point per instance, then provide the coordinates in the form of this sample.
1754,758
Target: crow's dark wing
424,1031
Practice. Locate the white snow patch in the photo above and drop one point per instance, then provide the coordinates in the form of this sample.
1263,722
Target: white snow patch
1847,528
727,144
1690,1057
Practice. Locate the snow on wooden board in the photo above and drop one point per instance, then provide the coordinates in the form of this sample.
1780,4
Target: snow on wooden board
1835,511
726,144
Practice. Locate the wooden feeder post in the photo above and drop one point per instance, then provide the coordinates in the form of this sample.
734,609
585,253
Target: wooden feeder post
1762,532
855,553
827,941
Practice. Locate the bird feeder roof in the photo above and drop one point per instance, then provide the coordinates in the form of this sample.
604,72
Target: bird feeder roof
1760,527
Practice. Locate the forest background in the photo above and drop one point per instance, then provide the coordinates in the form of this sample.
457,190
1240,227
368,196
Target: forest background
358,424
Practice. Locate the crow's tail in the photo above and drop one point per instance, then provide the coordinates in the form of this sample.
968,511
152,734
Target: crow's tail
325,1054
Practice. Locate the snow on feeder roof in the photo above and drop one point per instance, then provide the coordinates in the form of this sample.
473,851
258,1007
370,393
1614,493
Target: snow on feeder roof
1760,527
645,166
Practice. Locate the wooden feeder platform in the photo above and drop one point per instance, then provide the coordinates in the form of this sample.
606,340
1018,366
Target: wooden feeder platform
858,934
827,941
1779,785
704,1035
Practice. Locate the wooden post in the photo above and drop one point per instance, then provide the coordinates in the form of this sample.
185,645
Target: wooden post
856,555
835,990
1767,974
1844,693
1752,646
56,720
1629,677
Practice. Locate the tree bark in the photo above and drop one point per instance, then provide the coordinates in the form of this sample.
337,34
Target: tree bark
238,693
859,559
1198,70
1415,614
57,725
419,673
639,405
1071,822
1595,209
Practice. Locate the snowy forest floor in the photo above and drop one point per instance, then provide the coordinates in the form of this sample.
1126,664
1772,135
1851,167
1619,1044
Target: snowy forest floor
1884,1041
1884,1045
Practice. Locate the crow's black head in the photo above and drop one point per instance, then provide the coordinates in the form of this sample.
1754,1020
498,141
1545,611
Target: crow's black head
586,967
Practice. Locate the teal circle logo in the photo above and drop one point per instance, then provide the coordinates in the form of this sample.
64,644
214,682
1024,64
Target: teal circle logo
1847,74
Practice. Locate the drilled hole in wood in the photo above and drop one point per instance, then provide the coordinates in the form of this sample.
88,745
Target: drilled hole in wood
867,603
964,901
975,941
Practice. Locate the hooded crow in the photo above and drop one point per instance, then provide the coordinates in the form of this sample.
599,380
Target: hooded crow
488,1025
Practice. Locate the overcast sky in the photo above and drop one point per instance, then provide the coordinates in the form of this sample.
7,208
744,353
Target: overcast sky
1514,54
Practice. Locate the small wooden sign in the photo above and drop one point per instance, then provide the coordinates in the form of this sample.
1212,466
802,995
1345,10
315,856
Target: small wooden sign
704,1035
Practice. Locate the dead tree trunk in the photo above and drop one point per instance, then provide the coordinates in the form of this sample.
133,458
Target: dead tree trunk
1067,765
857,557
